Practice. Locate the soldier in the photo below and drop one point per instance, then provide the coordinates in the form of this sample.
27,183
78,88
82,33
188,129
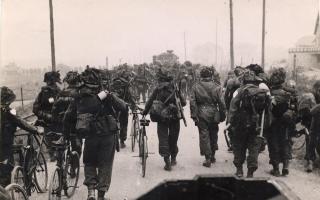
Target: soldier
245,117
42,107
168,127
9,123
122,87
314,145
207,111
232,85
141,83
283,123
64,98
95,111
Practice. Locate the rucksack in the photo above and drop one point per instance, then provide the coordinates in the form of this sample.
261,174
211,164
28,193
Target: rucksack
306,102
159,110
254,99
281,100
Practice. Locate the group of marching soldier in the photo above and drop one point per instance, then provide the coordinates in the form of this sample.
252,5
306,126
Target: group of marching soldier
259,109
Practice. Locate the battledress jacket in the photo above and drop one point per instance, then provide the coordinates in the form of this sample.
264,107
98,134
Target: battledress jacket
9,124
207,101
90,103
162,92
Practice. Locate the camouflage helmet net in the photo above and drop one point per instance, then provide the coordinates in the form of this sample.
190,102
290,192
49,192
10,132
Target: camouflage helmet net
53,76
206,72
278,76
7,96
72,77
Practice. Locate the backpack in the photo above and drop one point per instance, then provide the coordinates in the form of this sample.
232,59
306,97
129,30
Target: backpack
306,102
159,111
254,99
281,100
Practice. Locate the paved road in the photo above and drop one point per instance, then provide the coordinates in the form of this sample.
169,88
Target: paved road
127,182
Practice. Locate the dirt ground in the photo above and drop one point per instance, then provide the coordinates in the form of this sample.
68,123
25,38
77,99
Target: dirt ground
127,182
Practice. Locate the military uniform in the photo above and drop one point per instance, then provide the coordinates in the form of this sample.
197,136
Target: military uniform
168,130
64,98
9,124
42,106
243,124
283,123
98,115
207,110
122,87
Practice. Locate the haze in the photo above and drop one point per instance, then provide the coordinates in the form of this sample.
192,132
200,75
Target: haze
86,31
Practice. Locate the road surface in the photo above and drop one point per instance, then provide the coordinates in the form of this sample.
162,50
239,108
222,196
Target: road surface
128,184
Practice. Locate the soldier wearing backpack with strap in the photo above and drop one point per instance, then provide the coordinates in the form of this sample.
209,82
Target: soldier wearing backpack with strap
283,122
207,111
94,110
248,117
163,108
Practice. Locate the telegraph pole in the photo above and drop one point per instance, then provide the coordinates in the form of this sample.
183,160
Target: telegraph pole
231,36
263,31
216,63
185,46
53,56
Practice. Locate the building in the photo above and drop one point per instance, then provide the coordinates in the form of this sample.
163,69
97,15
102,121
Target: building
306,53
167,58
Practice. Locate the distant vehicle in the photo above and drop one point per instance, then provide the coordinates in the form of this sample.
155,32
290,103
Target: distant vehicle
167,58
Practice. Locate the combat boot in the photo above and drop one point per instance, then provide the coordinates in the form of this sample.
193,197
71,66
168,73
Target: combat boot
91,194
239,172
122,145
250,172
275,171
101,195
167,167
207,162
285,169
173,160
309,166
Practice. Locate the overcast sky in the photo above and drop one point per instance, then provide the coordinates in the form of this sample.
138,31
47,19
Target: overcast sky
86,31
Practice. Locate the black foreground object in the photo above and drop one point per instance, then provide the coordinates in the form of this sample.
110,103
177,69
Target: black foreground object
220,187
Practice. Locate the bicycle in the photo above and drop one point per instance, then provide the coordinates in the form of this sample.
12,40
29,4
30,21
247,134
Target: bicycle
66,174
135,128
143,144
32,171
13,192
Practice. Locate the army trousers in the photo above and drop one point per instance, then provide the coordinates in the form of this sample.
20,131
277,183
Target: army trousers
208,137
278,139
98,158
168,134
143,92
312,146
246,139
123,125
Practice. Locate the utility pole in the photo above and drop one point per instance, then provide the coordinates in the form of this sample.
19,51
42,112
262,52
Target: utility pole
231,36
185,46
263,31
216,42
53,56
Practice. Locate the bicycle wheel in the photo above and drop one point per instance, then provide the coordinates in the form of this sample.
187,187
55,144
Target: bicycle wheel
144,155
17,176
16,192
55,185
41,173
133,136
71,173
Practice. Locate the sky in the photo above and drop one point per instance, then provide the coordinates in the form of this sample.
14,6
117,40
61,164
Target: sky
86,31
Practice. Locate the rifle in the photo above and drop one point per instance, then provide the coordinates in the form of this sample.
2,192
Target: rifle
179,106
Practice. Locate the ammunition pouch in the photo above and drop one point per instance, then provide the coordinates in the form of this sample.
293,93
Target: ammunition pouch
84,123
